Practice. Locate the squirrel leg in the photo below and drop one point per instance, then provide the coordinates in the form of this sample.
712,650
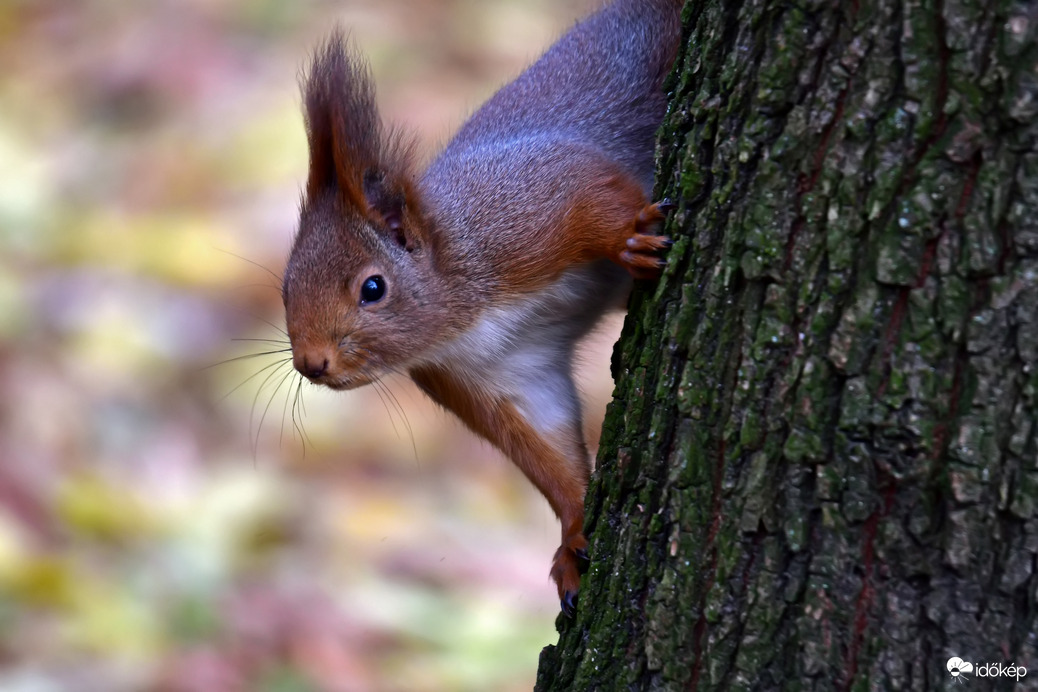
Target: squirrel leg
612,218
555,461
589,208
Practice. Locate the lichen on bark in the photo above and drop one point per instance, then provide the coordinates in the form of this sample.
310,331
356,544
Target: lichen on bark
820,469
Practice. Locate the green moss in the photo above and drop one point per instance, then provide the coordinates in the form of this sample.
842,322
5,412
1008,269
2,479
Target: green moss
810,454
803,445
751,434
899,251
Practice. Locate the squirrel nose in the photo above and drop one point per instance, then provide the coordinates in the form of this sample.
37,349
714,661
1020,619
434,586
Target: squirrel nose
311,365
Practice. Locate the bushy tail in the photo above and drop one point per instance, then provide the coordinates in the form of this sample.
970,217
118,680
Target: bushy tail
661,27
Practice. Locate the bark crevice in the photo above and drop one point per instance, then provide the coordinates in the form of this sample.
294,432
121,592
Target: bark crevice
820,470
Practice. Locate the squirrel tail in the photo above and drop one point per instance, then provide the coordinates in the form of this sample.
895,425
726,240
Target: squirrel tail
654,26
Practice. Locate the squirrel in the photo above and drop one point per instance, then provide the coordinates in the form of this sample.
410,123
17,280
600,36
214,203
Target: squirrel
477,277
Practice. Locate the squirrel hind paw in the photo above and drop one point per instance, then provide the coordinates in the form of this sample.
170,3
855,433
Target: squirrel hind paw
568,603
571,560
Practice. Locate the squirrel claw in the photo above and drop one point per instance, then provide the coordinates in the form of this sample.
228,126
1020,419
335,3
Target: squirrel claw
644,264
570,562
648,244
568,602
642,249
666,205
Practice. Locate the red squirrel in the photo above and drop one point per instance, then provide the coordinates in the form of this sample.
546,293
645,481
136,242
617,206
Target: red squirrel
477,277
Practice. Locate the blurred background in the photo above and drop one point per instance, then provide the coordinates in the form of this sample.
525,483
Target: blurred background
168,522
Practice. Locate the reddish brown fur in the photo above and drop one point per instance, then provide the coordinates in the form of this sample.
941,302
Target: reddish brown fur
350,153
604,219
556,464
492,258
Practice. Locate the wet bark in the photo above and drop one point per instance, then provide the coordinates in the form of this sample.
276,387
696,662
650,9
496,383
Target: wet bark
820,469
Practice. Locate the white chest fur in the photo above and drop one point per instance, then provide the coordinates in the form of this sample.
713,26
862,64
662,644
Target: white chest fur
523,351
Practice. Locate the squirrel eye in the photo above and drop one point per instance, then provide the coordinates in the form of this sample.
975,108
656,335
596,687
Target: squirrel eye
372,290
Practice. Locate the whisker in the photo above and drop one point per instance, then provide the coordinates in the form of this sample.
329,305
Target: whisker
304,437
255,399
277,278
403,416
247,356
255,375
266,409
392,398
389,368
252,315
380,384
239,287
273,326
264,341
284,413
302,401
378,391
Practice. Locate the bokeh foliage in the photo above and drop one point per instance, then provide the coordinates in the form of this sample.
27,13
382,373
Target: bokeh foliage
153,536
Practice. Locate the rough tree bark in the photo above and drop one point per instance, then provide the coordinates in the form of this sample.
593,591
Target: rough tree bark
820,470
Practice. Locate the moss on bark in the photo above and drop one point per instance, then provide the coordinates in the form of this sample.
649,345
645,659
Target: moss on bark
820,470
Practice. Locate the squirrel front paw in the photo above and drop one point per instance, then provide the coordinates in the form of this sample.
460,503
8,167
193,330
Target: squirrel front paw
571,560
641,256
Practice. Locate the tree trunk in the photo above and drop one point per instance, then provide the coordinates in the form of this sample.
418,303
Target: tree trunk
820,469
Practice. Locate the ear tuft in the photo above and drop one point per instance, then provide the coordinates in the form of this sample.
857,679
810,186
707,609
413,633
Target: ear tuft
342,122
350,152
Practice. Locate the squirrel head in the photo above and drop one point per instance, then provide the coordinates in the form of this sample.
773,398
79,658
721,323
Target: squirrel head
359,289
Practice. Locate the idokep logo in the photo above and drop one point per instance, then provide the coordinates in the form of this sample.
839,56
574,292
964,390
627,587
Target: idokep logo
958,668
961,670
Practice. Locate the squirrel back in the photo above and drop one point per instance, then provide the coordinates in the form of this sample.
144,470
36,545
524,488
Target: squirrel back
595,95
601,83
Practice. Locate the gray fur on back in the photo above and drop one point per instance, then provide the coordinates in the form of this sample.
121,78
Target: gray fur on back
599,85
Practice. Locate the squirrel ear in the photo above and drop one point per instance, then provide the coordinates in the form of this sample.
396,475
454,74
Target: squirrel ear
388,201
